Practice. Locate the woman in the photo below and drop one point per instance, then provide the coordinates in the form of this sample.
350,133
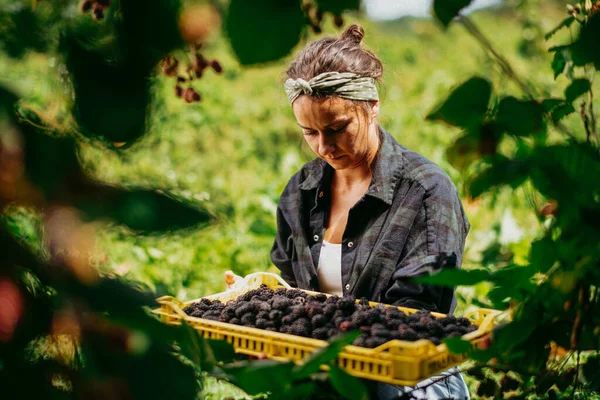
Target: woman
367,214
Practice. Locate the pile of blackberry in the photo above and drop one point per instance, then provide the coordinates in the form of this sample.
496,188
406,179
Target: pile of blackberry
320,317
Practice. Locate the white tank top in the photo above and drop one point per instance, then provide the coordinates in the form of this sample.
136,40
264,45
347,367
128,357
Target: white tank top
329,270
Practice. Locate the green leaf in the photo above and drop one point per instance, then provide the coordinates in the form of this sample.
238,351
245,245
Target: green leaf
543,254
336,7
565,23
194,347
520,117
255,377
324,355
559,62
591,372
263,228
562,111
585,49
445,10
347,385
463,151
457,345
577,88
263,30
503,171
466,106
455,277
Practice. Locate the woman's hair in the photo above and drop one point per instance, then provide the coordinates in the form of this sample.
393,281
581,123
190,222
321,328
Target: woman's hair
337,55
340,55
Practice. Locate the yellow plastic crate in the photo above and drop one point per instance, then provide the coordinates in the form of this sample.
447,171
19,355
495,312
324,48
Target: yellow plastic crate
397,362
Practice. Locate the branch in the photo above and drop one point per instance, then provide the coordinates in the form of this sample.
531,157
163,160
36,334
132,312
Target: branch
505,66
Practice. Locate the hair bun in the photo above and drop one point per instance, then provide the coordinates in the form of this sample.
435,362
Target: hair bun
353,33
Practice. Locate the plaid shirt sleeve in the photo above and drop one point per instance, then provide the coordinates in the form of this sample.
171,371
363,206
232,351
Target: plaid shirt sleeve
436,240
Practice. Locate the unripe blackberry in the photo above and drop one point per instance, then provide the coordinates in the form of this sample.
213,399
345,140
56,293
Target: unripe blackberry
216,66
190,95
346,326
98,12
85,6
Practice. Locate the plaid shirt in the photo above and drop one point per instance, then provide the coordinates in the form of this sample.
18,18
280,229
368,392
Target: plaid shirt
409,222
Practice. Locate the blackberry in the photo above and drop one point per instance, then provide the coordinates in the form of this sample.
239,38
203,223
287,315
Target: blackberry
243,309
347,305
314,308
235,321
281,303
319,321
374,341
301,327
275,316
320,297
263,315
248,319
407,333
320,333
329,310
299,300
262,323
360,341
332,300
360,318
364,302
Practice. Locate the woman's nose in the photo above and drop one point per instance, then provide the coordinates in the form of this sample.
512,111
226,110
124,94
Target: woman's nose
326,145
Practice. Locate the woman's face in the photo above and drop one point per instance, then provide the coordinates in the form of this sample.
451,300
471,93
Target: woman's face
337,131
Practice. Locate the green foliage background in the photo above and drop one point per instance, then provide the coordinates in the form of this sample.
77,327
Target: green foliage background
233,152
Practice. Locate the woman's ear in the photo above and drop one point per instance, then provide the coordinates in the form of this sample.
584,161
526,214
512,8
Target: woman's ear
374,109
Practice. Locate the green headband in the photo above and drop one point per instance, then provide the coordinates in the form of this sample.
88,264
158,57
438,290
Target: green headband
343,84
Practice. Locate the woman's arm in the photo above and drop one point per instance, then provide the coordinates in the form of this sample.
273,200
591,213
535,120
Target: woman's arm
283,248
436,240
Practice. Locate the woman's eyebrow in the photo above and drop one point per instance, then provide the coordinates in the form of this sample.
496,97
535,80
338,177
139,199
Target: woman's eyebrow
337,121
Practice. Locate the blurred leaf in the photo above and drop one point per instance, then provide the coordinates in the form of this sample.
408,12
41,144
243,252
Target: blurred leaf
337,7
110,65
559,61
324,355
543,254
24,29
195,348
463,151
222,350
250,376
577,88
145,211
503,171
347,385
455,277
591,372
274,24
565,23
261,227
520,117
457,345
562,111
446,10
466,106
585,49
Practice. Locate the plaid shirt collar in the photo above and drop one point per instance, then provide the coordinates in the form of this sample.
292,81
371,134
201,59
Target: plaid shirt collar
387,170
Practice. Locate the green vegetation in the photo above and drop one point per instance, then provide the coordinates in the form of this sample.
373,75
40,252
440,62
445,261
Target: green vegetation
226,159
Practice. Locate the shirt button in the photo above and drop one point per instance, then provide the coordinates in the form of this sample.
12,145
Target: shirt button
347,286
320,194
350,244
316,238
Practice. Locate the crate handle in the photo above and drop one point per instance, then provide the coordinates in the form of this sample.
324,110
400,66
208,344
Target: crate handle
257,278
173,304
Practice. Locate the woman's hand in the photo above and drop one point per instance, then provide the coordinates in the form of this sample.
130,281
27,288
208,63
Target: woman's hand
232,281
